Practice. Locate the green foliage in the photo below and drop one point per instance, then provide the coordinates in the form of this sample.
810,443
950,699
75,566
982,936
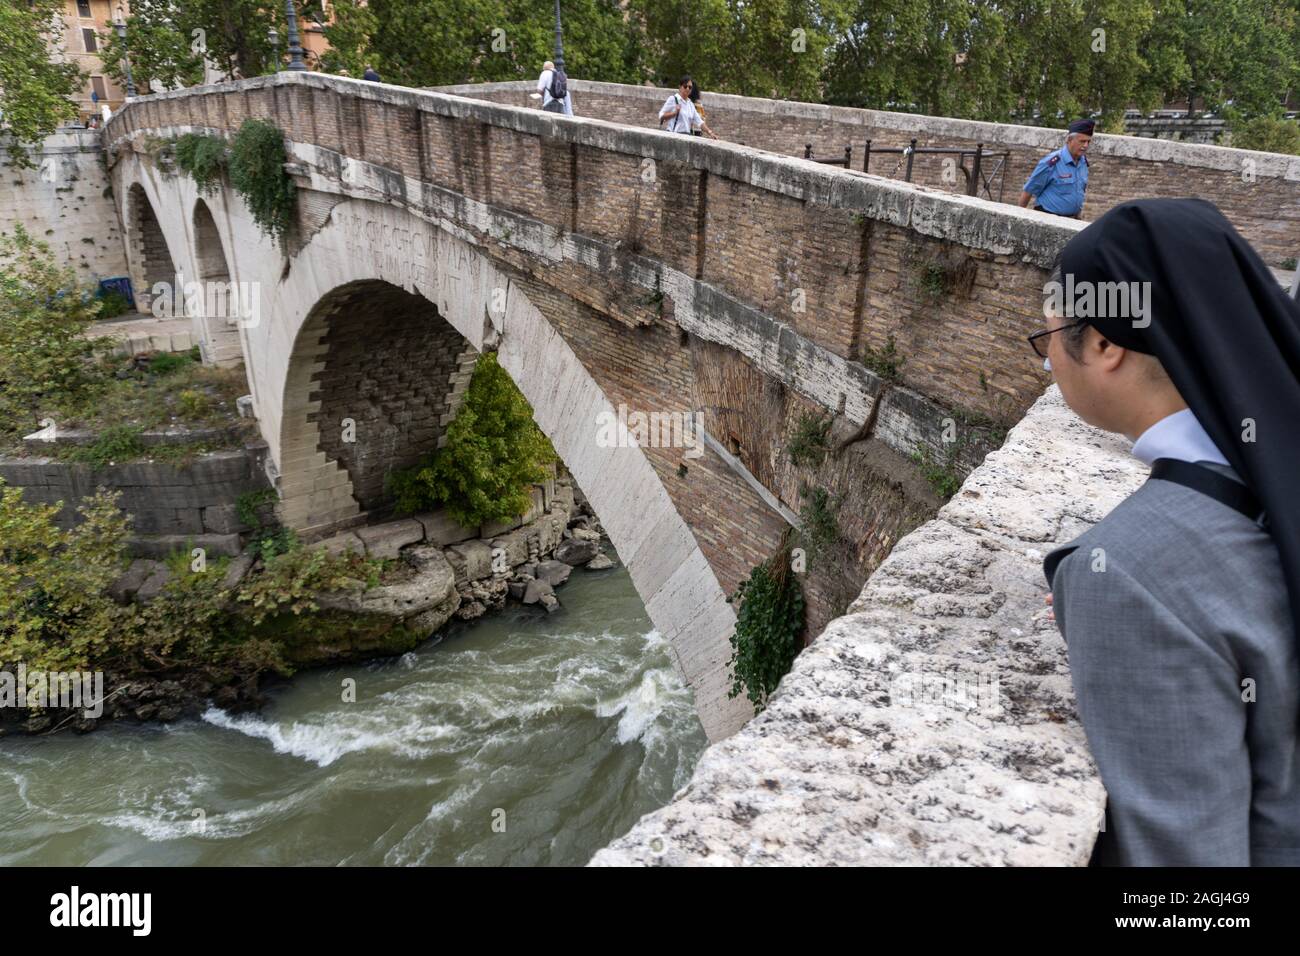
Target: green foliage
1268,134
160,47
819,530
112,304
53,614
769,619
942,475
256,166
163,45
494,453
289,581
752,49
116,443
436,42
44,314
204,158
810,441
193,404
167,363
34,88
268,537
886,362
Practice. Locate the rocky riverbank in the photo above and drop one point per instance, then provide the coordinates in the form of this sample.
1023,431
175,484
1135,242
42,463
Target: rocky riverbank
434,571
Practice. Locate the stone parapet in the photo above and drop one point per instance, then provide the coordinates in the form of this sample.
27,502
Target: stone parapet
934,724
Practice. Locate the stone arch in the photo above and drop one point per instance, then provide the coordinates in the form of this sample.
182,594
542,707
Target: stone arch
386,374
150,256
219,331
368,249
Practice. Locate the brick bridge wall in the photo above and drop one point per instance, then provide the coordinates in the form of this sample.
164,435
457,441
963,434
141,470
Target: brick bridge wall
1258,192
683,274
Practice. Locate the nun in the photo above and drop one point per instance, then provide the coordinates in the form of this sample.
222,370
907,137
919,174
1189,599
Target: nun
1178,609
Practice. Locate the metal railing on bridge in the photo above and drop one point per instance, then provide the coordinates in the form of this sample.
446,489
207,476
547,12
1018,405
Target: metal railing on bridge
976,176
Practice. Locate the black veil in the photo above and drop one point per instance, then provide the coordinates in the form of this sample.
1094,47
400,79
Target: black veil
1224,330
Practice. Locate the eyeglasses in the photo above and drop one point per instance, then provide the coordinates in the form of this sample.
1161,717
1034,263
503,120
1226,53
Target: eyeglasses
1041,352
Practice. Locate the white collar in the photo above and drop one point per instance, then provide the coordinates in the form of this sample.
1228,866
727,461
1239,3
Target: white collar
1178,436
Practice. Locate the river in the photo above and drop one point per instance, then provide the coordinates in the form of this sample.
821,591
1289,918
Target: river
521,738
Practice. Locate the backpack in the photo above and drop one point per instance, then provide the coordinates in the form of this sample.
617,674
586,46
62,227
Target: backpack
559,87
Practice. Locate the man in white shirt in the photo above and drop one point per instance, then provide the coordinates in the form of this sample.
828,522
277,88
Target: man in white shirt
679,111
544,83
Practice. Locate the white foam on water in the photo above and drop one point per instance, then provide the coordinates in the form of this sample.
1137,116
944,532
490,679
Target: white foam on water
337,735
640,707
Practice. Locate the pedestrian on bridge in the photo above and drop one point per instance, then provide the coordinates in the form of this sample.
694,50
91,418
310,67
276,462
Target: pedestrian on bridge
1060,180
553,85
371,75
680,113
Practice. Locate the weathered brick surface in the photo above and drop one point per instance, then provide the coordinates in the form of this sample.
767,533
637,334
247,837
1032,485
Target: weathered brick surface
1259,192
388,370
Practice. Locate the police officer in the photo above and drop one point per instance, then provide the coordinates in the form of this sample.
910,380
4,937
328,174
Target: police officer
1059,181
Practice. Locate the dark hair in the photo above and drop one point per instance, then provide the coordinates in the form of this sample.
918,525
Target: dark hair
695,92
1074,334
686,81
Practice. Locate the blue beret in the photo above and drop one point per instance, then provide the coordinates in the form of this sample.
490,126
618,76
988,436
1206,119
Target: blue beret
1083,126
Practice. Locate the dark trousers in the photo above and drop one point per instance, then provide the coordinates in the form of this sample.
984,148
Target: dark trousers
1065,215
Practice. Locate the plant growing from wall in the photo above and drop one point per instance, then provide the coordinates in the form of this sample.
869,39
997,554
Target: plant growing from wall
769,618
494,453
810,441
886,362
942,475
256,166
204,158
819,530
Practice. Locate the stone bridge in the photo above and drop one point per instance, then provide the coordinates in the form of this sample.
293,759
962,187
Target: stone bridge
615,266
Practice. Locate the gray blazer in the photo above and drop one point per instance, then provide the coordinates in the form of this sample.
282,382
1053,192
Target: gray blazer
1191,606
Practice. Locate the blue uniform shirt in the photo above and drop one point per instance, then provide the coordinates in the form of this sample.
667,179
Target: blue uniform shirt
1058,182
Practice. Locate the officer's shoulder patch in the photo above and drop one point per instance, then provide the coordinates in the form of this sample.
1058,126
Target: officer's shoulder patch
1054,159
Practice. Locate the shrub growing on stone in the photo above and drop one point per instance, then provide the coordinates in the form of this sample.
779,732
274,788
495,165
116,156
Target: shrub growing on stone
256,165
204,158
494,453
769,618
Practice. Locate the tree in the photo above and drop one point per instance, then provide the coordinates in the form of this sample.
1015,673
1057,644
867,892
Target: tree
494,453
1238,55
771,48
169,40
159,48
44,315
34,90
441,42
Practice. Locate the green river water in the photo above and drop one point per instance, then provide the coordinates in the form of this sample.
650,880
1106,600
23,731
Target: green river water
522,738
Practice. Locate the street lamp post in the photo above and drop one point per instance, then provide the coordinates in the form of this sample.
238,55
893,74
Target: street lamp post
273,37
559,39
120,25
295,48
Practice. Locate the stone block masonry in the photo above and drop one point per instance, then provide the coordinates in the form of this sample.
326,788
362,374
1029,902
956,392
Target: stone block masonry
168,504
66,201
934,724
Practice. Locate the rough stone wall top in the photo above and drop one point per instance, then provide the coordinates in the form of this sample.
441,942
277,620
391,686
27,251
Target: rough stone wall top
934,724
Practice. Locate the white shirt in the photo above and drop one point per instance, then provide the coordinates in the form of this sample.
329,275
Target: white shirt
686,120
1178,436
544,87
